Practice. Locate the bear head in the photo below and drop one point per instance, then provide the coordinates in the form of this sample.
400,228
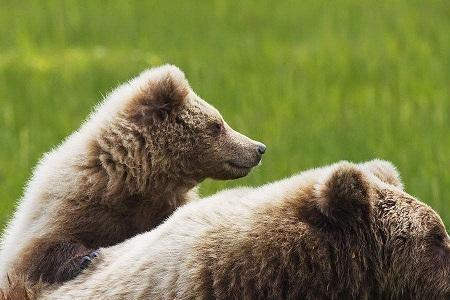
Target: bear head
162,127
382,236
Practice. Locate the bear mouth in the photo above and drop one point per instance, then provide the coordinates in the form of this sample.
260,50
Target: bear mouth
238,166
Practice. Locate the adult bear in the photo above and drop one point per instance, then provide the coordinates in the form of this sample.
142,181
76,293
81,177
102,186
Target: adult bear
344,231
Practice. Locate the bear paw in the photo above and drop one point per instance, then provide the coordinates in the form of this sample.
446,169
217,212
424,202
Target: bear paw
87,259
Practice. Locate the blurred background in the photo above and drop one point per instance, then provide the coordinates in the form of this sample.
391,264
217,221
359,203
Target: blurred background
316,81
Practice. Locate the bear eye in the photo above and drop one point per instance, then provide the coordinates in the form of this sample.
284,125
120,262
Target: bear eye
216,127
179,120
437,237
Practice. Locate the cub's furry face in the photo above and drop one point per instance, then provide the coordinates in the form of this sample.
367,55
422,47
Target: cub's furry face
413,235
405,239
183,133
418,246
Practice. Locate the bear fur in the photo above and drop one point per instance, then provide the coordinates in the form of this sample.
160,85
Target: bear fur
344,231
138,157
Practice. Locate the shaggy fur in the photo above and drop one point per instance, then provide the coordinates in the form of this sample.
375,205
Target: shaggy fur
344,231
138,157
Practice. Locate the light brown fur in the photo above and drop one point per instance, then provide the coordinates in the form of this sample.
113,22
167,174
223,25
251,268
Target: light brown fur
345,231
124,174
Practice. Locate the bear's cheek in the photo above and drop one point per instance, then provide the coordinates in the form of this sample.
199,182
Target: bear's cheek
442,255
445,251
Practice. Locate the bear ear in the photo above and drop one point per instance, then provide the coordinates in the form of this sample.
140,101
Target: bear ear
343,196
160,91
385,171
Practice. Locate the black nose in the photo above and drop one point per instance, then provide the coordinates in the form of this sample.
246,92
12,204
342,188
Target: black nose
261,148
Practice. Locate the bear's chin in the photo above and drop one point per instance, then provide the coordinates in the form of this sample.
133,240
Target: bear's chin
232,171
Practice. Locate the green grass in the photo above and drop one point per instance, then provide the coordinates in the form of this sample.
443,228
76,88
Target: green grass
316,81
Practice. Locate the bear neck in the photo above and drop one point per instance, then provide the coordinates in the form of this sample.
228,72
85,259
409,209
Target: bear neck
132,195
129,166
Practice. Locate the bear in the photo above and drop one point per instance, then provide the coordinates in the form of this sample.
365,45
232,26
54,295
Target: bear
140,154
343,231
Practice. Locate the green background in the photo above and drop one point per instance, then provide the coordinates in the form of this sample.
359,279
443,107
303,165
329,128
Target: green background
316,81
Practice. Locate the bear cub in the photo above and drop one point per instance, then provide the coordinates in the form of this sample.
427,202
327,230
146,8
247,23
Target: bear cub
138,157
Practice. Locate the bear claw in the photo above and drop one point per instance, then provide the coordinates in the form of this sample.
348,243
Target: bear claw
87,259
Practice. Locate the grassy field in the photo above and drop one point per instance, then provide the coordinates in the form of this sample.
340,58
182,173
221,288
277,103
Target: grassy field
316,81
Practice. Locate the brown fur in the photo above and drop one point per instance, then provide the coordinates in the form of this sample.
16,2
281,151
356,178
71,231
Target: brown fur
338,232
20,289
338,245
133,175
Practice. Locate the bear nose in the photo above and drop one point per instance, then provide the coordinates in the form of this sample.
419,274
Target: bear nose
261,148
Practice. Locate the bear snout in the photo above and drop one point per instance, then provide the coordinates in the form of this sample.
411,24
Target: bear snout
261,148
254,153
245,157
